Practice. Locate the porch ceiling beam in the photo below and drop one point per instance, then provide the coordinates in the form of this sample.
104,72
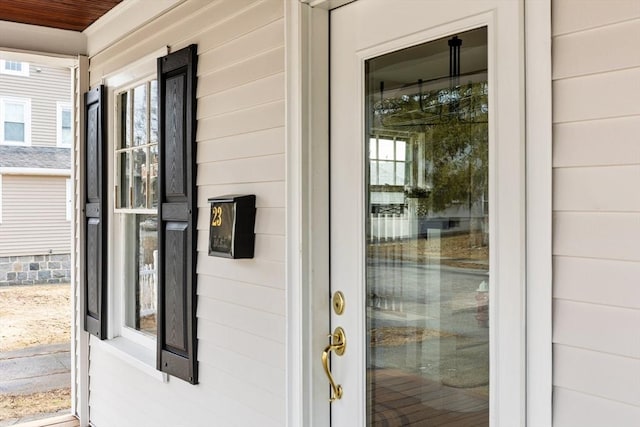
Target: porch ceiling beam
33,38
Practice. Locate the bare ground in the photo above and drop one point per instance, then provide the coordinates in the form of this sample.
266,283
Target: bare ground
462,250
30,316
19,406
34,315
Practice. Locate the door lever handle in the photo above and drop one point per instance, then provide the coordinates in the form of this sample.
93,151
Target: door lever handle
338,344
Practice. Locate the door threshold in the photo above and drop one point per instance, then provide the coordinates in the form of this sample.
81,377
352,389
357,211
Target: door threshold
57,421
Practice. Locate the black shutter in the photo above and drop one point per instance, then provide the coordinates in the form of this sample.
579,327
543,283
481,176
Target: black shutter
177,210
95,254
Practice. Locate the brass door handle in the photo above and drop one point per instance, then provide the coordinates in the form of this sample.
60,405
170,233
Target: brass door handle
338,344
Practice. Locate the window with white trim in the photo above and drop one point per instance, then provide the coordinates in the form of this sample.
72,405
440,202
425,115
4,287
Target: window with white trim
15,117
63,124
136,181
16,68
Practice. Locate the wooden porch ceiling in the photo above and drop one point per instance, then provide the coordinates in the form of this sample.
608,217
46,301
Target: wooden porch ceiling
75,15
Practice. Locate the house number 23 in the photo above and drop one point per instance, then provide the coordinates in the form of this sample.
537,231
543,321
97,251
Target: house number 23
216,216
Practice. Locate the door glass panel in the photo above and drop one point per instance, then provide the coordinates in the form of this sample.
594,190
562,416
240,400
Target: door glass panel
427,234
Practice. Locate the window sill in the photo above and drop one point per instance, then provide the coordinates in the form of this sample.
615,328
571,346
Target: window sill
136,355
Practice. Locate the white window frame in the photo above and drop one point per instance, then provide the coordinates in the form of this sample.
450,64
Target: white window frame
119,220
60,107
26,102
24,71
132,346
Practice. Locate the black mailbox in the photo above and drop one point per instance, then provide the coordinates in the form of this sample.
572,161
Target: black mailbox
231,226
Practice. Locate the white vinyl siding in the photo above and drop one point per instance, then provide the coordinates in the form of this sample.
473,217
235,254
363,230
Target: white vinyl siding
240,150
596,213
28,228
45,87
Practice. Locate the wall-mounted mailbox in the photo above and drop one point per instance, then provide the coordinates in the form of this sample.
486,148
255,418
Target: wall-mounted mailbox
231,226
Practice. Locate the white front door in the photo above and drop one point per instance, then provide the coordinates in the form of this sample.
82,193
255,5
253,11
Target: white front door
427,213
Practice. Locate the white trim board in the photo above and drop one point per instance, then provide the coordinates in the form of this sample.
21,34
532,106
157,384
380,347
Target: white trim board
35,171
307,200
538,160
80,338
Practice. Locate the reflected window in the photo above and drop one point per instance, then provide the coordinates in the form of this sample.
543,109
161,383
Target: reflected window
427,250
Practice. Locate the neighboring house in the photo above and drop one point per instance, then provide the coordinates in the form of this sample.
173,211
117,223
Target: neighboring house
35,173
374,135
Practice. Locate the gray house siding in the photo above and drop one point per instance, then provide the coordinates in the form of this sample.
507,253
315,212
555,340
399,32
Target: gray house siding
34,230
45,88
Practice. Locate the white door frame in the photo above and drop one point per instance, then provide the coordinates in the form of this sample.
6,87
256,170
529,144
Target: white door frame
307,196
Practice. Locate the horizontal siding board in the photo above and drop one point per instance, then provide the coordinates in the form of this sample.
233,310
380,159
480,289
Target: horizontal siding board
599,96
251,372
613,47
268,194
246,46
596,327
258,169
596,67
255,144
271,352
128,384
268,222
597,143
597,235
266,116
272,220
572,409
263,91
597,281
270,247
34,216
611,188
577,15
598,374
266,273
256,322
268,403
267,247
251,19
245,294
255,68
187,23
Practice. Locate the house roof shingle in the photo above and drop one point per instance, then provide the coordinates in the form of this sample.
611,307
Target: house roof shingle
13,156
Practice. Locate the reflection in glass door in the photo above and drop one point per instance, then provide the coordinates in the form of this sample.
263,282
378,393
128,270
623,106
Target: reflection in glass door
427,234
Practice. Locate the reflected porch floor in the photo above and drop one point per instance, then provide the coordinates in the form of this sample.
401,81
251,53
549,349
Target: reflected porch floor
411,400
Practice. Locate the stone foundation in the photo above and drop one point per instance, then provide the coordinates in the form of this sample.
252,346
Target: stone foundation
35,269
